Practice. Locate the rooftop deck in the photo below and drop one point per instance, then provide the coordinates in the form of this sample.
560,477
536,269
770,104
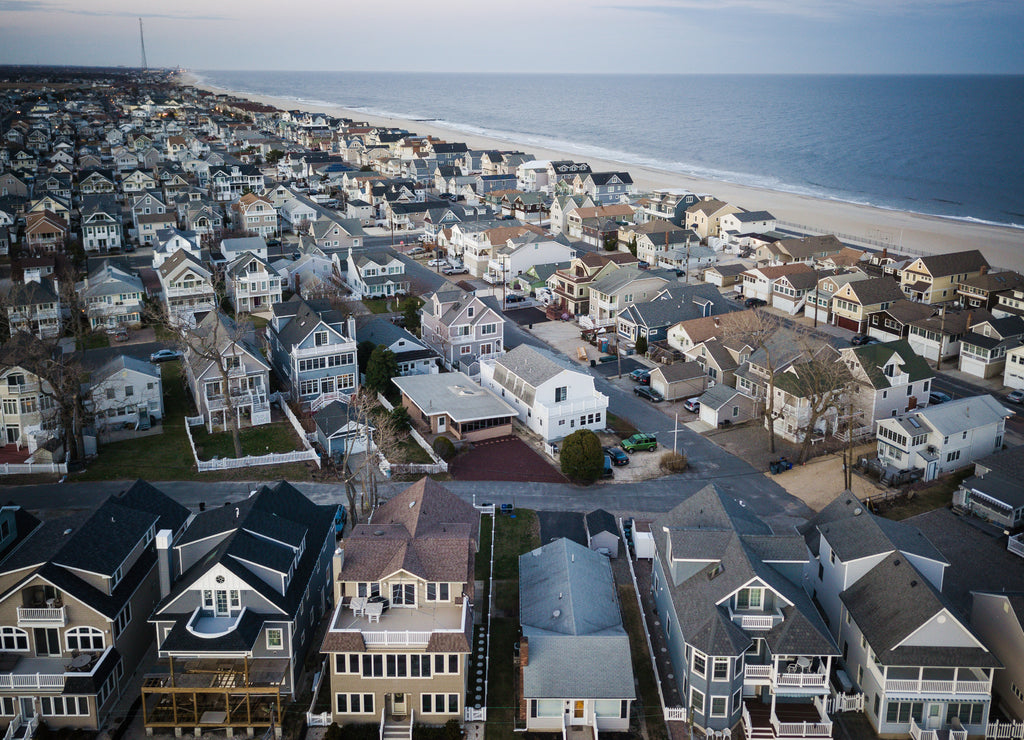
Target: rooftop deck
401,625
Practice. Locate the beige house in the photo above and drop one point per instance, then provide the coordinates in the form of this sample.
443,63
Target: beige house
704,217
613,291
808,249
28,410
254,214
452,403
937,278
854,302
75,599
571,286
399,641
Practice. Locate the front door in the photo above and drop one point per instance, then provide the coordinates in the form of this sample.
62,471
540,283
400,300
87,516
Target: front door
28,707
930,471
47,641
577,712
399,705
12,435
220,602
934,720
440,423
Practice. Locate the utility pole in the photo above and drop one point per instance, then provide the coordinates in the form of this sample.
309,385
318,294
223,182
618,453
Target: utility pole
675,434
142,42
686,272
942,339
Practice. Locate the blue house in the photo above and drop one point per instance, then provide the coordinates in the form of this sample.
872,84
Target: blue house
313,350
746,642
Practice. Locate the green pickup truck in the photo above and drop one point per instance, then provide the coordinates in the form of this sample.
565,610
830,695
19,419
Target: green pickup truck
640,442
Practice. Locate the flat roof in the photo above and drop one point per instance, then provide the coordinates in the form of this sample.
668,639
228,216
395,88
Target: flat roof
455,394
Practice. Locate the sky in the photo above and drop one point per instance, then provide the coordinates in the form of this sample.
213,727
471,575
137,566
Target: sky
600,36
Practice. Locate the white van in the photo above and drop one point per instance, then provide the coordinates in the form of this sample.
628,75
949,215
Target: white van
692,404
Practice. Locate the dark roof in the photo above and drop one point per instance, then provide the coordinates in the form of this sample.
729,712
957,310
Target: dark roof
332,417
239,640
939,265
599,521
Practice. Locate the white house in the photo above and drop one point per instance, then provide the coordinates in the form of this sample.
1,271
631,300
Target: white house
891,379
232,249
549,399
187,287
943,438
123,392
513,259
252,284
112,298
376,275
1013,373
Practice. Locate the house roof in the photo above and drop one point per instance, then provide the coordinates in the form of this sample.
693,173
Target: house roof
616,280
600,520
963,414
455,394
333,418
680,371
124,362
809,246
906,311
718,396
876,290
873,357
952,263
528,365
31,293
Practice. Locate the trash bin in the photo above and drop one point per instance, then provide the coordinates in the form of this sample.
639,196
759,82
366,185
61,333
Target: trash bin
774,468
593,363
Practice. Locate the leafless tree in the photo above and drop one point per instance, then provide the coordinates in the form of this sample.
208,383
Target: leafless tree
816,384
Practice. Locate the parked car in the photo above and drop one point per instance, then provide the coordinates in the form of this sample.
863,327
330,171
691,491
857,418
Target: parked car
640,442
1015,396
937,397
121,335
641,375
617,455
164,355
440,262
607,472
514,298
859,339
454,270
643,265
692,404
273,242
755,303
416,250
649,393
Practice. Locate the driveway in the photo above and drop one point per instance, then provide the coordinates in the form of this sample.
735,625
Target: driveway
526,316
568,524
504,459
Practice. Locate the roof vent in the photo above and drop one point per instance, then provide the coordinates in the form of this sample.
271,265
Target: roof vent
858,511
559,594
895,563
412,504
556,613
378,532
913,583
67,531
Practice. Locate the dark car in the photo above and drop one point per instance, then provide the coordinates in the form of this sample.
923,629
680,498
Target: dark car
617,455
641,375
649,393
754,303
514,298
273,242
937,397
859,339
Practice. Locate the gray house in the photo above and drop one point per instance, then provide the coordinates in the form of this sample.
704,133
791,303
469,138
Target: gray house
675,303
602,532
746,642
574,661
413,356
338,432
994,492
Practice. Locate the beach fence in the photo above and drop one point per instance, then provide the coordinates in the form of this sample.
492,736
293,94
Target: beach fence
318,719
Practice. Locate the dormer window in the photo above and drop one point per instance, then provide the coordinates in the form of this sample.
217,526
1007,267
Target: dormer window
749,598
320,338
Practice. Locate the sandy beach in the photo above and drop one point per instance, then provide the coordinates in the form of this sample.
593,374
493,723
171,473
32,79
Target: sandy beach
904,232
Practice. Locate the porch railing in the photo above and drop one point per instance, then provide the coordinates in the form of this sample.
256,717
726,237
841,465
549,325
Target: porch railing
53,615
758,672
748,727
917,733
1016,544
921,686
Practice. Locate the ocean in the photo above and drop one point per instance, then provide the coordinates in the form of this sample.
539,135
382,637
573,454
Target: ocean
934,144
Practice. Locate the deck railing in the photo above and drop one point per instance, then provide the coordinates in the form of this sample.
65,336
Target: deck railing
921,686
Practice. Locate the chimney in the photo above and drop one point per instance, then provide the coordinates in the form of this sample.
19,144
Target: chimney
163,559
351,327
984,269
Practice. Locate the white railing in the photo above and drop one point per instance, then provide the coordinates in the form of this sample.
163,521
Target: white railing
1016,544
199,291
921,686
389,638
28,468
957,734
846,703
755,621
1004,730
677,714
49,615
758,672
325,398
476,715
801,729
31,680
383,715
918,734
412,720
195,421
283,404
748,727
802,680
274,458
323,719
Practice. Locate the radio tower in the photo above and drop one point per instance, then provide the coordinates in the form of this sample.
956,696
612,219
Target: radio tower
142,41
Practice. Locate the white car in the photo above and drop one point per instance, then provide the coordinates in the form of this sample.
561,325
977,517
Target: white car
437,263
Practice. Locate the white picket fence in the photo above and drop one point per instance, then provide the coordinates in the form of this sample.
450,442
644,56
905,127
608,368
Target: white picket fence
250,461
845,703
321,719
1005,730
437,466
29,468
283,403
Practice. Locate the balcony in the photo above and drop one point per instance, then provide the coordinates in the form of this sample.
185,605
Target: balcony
404,627
42,617
196,291
755,620
29,672
921,686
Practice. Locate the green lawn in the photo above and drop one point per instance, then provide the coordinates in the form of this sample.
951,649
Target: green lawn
927,498
261,440
167,456
514,536
379,305
94,340
483,555
258,322
619,425
501,702
410,452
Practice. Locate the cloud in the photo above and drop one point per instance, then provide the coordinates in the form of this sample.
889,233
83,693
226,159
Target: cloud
830,9
39,6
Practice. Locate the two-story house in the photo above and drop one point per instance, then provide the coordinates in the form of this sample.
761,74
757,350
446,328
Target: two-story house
251,582
818,306
375,274
252,284
759,282
551,400
910,652
936,278
28,410
413,356
854,302
983,349
125,391
704,217
807,249
44,232
612,292
943,438
889,378
187,288
938,335
512,259
398,642
35,307
746,643
573,662
313,348
570,287
985,290
672,304
604,187
460,327
894,322
169,241
76,592
101,223
226,374
112,298
254,214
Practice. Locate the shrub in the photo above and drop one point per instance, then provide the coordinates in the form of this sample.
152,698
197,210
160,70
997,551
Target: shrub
444,448
581,456
400,415
673,462
641,345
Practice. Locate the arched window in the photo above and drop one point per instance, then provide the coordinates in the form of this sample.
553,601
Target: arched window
12,638
84,638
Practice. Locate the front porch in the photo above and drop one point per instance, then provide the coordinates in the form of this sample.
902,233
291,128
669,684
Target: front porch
785,719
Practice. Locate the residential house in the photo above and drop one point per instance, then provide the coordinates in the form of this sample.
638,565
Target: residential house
854,302
518,256
943,438
591,223
550,400
252,284
719,357
985,290
574,662
602,532
336,232
96,182
340,432
28,410
112,298
453,404
254,214
460,327
790,292
125,392
35,307
565,170
151,224
937,336
11,184
808,249
655,238
232,249
147,204
908,650
376,274
313,349
1010,303
890,380
819,303
202,218
894,322
732,225
983,348
674,303
936,278
187,288
679,380
808,395
1013,373
704,217
136,181
669,204
726,589
399,640
994,493
413,355
604,187
612,292
255,580
101,223
723,276
226,374
724,404
171,241
759,282
229,182
561,207
997,619
45,232
77,592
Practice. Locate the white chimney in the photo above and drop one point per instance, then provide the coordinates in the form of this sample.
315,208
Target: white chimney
163,559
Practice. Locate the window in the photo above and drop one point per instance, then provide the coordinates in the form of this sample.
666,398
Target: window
696,701
320,338
439,703
720,669
700,663
64,706
275,639
122,619
952,456
354,703
561,394
403,594
970,713
84,638
110,394
488,329
367,589
13,639
437,592
719,706
902,711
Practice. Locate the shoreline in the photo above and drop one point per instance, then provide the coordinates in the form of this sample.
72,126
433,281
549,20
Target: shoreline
877,227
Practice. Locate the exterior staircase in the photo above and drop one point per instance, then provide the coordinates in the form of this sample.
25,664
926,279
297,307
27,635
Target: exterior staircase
396,729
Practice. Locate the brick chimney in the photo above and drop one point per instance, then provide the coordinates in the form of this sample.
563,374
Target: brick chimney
984,269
